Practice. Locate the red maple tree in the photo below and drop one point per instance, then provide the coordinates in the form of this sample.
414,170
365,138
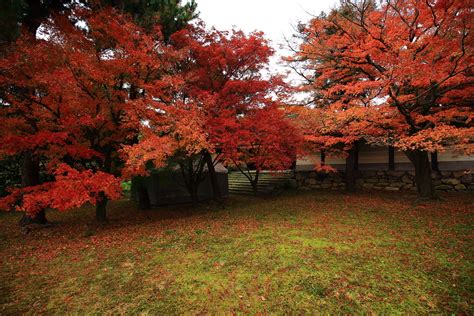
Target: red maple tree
263,139
405,67
67,100
221,80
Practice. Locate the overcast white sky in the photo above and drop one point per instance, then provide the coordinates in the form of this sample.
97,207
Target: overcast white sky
276,18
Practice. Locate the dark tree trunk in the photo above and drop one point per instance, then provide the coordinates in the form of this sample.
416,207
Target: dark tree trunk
254,183
350,174
30,168
102,199
254,187
142,193
192,178
37,218
143,198
423,180
192,182
142,190
356,155
30,176
101,208
434,161
216,190
391,158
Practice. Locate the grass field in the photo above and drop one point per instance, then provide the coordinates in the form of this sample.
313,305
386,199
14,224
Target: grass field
300,252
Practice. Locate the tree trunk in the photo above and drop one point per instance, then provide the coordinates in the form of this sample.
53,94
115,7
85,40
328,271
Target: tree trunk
434,161
356,155
254,187
350,174
391,158
30,176
423,180
143,198
101,207
142,190
192,178
254,183
30,168
216,190
142,193
37,218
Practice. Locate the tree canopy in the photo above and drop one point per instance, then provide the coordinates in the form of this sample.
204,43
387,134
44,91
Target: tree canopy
397,72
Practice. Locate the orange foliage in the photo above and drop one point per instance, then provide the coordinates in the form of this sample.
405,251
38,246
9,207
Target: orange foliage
398,73
66,98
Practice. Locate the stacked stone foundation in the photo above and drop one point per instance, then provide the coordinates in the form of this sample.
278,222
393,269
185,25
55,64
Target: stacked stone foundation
386,180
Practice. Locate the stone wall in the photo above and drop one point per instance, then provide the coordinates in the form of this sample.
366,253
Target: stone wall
385,180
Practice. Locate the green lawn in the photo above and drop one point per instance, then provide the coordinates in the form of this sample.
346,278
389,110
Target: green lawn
300,252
